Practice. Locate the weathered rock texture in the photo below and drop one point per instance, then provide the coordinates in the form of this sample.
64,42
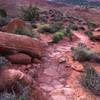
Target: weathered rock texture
11,76
19,58
11,43
17,24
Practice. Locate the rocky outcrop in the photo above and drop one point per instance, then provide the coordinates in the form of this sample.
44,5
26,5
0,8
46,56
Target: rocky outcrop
19,58
17,24
13,24
9,77
11,43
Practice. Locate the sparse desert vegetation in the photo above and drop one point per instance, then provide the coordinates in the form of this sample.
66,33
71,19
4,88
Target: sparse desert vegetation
91,79
49,50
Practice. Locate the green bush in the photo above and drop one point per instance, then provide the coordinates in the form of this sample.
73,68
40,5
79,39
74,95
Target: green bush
68,33
22,31
82,54
57,37
91,79
85,54
89,34
51,28
30,13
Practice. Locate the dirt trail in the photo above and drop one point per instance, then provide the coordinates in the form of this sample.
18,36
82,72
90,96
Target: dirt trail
54,74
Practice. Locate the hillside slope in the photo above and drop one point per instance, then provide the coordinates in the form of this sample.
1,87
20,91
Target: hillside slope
92,3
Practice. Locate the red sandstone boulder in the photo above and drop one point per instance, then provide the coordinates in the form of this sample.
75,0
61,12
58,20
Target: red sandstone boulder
13,24
17,24
9,77
11,43
19,58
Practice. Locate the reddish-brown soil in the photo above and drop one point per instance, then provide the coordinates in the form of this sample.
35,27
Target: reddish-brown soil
59,74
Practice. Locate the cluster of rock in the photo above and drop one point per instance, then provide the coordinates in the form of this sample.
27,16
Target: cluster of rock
17,50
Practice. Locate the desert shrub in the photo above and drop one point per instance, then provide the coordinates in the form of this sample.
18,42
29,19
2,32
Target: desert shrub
62,30
73,26
3,13
82,54
7,96
91,25
22,95
51,28
96,57
45,29
29,13
56,26
57,37
89,34
91,79
24,91
68,33
22,31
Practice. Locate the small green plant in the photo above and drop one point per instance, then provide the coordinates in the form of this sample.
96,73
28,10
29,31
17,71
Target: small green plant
89,34
57,37
91,79
30,13
68,33
22,31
